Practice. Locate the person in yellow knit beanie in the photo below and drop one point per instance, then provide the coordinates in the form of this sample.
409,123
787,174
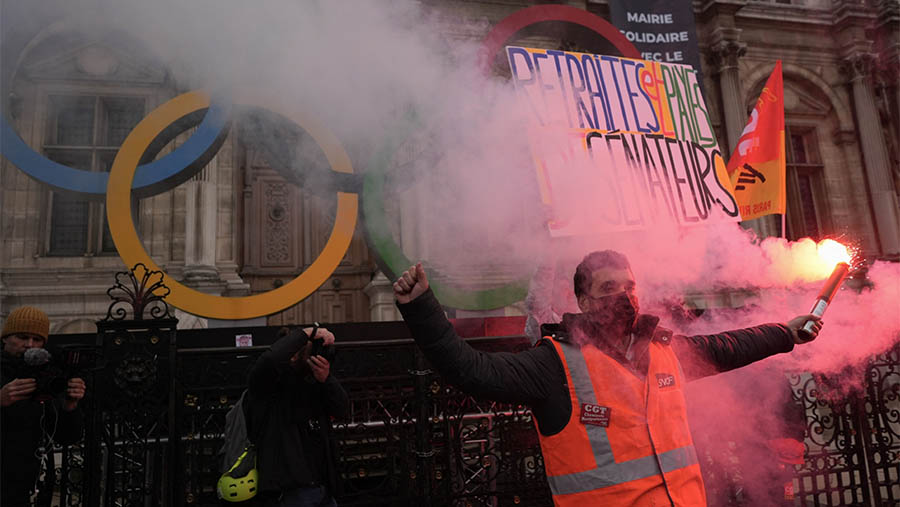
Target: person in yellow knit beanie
26,327
31,423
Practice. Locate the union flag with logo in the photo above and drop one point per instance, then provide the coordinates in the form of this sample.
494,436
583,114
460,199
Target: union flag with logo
757,166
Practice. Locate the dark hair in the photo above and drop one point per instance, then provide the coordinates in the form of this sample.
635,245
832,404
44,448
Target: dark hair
282,332
584,273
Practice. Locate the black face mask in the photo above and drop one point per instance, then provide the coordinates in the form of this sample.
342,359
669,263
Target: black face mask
615,310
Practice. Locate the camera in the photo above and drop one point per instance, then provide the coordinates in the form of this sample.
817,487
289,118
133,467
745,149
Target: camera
318,346
319,349
51,371
51,381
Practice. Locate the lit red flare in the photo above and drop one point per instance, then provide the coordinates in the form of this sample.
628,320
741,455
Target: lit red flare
831,251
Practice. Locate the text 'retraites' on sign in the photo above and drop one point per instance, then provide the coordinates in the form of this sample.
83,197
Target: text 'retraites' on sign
619,143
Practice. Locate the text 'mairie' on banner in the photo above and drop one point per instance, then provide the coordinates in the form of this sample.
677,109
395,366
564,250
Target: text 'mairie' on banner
662,30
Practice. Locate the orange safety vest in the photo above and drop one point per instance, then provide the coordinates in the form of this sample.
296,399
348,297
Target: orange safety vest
627,441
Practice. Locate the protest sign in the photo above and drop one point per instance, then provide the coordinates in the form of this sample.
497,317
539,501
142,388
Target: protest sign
620,143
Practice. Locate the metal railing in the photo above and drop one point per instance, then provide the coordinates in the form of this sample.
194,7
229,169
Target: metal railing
157,402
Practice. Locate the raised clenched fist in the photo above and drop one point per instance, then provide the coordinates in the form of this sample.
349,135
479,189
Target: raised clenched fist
411,284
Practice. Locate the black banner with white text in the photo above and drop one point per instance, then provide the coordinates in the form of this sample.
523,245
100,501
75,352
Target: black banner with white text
663,31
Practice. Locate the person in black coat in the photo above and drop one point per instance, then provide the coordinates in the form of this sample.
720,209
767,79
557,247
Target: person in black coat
610,320
292,398
32,417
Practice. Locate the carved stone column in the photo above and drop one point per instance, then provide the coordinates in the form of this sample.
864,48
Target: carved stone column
888,102
381,299
724,52
858,66
200,234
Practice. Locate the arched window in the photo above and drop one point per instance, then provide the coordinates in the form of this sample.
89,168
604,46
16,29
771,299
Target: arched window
807,211
84,131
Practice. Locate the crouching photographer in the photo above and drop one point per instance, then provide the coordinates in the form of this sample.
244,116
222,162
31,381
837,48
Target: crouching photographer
292,397
39,404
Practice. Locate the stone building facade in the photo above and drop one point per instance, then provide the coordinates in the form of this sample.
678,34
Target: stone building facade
238,227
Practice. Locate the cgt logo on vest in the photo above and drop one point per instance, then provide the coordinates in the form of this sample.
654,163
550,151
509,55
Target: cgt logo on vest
595,415
665,380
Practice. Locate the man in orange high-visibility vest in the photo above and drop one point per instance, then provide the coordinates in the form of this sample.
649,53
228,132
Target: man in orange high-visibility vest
605,385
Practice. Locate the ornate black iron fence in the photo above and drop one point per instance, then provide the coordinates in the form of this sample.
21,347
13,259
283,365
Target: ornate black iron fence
157,411
853,439
157,404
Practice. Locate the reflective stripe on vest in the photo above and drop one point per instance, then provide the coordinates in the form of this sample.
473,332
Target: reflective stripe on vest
608,472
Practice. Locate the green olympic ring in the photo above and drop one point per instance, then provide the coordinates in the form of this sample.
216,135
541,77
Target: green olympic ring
392,259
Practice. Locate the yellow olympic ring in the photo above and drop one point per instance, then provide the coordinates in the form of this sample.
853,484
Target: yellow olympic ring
124,234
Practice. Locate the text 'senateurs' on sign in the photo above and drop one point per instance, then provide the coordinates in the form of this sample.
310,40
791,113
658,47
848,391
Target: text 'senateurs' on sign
620,144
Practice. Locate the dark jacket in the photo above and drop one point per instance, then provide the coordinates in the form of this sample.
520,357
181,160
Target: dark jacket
23,433
536,377
289,420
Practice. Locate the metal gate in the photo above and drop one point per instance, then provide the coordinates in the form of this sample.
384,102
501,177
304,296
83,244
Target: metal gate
853,439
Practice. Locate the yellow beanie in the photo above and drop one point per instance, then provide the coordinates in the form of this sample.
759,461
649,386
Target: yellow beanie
27,319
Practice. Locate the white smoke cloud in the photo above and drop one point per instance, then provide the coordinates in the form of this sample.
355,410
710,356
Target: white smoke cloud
463,169
363,67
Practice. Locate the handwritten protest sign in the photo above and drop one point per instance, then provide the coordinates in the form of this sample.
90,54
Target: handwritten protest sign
619,143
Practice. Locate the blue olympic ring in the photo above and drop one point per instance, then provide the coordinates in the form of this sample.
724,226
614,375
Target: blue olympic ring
151,178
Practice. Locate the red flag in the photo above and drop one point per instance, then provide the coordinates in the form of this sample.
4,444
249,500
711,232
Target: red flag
757,166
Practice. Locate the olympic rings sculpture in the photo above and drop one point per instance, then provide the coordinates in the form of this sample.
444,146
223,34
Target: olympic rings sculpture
118,204
127,177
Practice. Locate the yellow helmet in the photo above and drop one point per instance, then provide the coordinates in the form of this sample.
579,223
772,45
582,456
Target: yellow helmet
241,481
